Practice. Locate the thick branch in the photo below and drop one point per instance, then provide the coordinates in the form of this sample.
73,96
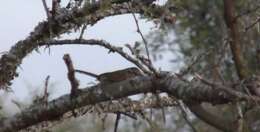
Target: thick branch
235,45
215,94
74,83
231,22
194,91
212,118
56,108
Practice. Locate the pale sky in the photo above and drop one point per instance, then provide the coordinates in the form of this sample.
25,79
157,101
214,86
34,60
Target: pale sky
18,19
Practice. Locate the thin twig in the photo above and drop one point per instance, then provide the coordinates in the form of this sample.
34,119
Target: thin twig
68,6
185,115
46,94
101,43
149,121
240,119
46,9
252,24
118,117
86,73
144,40
141,34
17,104
82,31
144,60
193,62
46,84
244,87
50,16
80,2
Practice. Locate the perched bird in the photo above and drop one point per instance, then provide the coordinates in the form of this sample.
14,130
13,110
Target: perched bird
114,76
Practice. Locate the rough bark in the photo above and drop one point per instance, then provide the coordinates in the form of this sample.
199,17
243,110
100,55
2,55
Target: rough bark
192,92
231,22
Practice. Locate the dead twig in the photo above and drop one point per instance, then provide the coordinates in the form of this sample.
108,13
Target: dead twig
71,74
50,16
46,9
185,115
141,34
46,94
82,31
149,65
73,81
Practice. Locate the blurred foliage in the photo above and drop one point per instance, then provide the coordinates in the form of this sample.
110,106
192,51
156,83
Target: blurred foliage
200,28
201,36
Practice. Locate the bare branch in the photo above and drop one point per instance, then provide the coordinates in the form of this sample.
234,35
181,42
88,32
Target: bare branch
149,65
64,22
46,94
91,95
141,34
252,24
101,43
71,74
82,31
141,58
129,107
235,45
86,73
11,60
46,9
195,92
185,115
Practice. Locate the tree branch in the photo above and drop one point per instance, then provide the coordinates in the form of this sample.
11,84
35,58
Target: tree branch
252,24
65,21
231,22
71,75
142,36
235,45
194,92
101,43
125,106
211,118
91,95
